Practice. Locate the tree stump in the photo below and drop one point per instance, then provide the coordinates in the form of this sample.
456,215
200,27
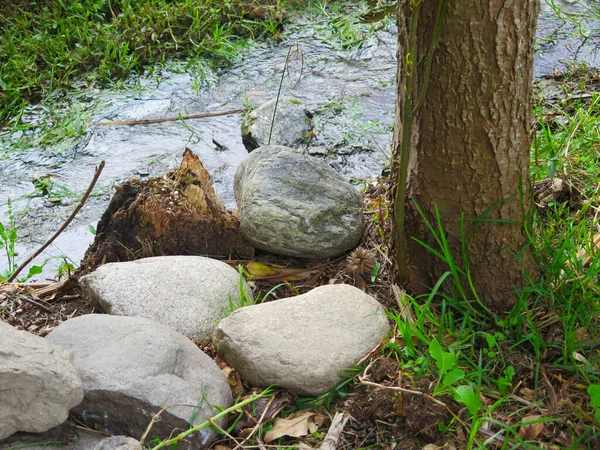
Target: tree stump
178,214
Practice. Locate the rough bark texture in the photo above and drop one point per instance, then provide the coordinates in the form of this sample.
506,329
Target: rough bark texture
470,140
178,214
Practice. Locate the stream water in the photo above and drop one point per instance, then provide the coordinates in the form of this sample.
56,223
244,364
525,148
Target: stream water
350,92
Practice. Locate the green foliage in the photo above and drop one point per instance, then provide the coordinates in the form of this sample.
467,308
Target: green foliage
594,393
466,395
46,48
8,240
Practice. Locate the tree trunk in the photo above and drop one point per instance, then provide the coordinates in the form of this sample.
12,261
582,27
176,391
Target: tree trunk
468,143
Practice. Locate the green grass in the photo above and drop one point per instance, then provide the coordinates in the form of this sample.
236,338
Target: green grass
539,364
46,46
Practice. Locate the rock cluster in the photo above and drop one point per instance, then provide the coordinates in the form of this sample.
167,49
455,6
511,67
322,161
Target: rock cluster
115,372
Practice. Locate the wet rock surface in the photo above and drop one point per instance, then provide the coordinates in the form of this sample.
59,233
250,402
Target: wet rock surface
38,383
302,343
296,205
291,127
132,367
190,294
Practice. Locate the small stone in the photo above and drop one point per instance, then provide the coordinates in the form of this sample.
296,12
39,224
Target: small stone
302,343
292,125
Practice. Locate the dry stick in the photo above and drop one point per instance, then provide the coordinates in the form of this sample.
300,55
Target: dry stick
169,119
335,430
63,226
36,303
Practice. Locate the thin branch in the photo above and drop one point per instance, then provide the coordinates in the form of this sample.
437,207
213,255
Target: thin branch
168,119
335,430
63,226
36,303
207,423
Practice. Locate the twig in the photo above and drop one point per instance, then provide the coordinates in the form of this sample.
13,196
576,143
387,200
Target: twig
168,119
156,417
206,423
63,226
362,380
51,289
256,427
335,429
36,303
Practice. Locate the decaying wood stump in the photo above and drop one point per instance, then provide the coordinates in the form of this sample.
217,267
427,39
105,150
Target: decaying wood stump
178,214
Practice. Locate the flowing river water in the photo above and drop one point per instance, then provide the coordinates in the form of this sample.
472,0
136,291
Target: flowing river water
350,91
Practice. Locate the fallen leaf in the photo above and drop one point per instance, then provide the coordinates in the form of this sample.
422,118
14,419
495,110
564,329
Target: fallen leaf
257,269
527,393
360,283
273,406
293,425
304,446
530,431
221,447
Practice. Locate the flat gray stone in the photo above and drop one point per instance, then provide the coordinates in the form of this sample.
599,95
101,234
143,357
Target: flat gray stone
188,293
292,125
302,343
296,205
133,367
38,383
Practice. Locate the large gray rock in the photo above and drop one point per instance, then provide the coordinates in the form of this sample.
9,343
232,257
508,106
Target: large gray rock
133,367
296,205
292,125
38,383
188,293
302,343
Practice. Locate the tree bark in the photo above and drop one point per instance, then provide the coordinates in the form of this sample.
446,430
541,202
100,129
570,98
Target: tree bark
469,142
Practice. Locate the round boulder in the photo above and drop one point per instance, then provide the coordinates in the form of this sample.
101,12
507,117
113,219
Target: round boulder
302,343
296,205
188,293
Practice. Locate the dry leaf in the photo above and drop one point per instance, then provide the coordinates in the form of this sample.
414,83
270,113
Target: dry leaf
531,430
360,283
222,447
257,269
304,446
432,447
295,425
582,334
527,393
